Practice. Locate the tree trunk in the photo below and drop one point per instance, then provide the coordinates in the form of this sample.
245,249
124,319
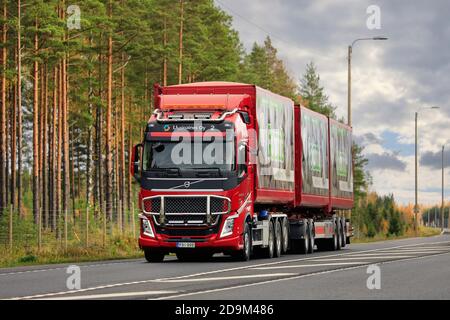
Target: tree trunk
59,155
44,148
56,155
3,131
14,149
36,191
165,53
122,141
180,56
89,141
108,141
19,109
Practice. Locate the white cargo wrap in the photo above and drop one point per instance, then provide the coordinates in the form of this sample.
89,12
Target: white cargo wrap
275,165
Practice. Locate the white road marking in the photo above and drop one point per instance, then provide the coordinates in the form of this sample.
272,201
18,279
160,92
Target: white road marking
114,295
395,253
65,267
252,276
415,251
362,257
287,279
224,270
312,265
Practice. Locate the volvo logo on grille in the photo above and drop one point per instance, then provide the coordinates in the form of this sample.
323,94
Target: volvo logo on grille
187,184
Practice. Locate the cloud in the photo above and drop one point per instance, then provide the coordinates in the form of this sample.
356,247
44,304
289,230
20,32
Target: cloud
433,160
385,161
367,139
391,79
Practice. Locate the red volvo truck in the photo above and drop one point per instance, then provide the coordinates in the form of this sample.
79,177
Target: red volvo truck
233,168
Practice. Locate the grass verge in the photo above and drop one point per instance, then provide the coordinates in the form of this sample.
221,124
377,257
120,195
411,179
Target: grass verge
423,232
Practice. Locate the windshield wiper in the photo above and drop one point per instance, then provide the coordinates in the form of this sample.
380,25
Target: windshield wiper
168,172
208,172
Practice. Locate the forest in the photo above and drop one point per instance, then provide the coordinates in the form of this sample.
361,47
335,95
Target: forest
76,90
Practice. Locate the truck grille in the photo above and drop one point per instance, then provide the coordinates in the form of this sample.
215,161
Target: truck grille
186,210
183,220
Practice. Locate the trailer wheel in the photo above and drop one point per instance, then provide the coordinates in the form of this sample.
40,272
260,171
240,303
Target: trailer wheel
278,244
338,234
332,244
244,254
269,251
153,256
311,237
343,233
285,235
302,245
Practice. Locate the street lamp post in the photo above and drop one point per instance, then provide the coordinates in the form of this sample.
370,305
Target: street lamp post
416,204
442,203
349,80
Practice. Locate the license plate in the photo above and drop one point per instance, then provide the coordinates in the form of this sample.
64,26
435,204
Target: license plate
185,244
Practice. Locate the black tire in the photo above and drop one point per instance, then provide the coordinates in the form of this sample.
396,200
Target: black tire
343,236
278,239
311,237
153,256
285,235
302,245
245,253
332,244
338,234
269,251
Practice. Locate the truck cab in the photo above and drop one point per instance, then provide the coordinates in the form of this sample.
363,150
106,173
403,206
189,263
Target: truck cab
195,175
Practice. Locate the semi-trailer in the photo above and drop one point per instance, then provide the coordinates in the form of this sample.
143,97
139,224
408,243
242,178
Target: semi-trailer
233,168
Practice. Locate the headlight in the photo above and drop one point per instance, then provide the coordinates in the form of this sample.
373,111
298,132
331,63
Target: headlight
147,228
228,226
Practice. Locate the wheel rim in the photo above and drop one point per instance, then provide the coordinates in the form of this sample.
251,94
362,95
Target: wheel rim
307,241
279,243
247,245
271,242
285,237
335,239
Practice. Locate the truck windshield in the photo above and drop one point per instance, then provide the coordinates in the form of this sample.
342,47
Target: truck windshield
189,155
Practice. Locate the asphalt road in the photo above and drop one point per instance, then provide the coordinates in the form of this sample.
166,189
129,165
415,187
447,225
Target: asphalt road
408,269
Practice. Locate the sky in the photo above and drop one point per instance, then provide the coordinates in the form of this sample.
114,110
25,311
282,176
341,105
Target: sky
391,80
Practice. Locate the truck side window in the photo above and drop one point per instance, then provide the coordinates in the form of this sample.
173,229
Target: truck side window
242,160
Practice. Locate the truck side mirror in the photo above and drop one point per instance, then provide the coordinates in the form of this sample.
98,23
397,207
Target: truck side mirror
245,117
136,162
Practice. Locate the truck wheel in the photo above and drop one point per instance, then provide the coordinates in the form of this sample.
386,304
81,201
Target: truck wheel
153,256
285,235
332,244
311,243
278,245
343,235
302,245
338,234
269,251
244,254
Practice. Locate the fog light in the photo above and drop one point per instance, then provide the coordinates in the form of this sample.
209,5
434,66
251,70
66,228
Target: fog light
147,228
228,226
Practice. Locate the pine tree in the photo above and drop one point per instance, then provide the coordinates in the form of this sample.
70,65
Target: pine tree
312,93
